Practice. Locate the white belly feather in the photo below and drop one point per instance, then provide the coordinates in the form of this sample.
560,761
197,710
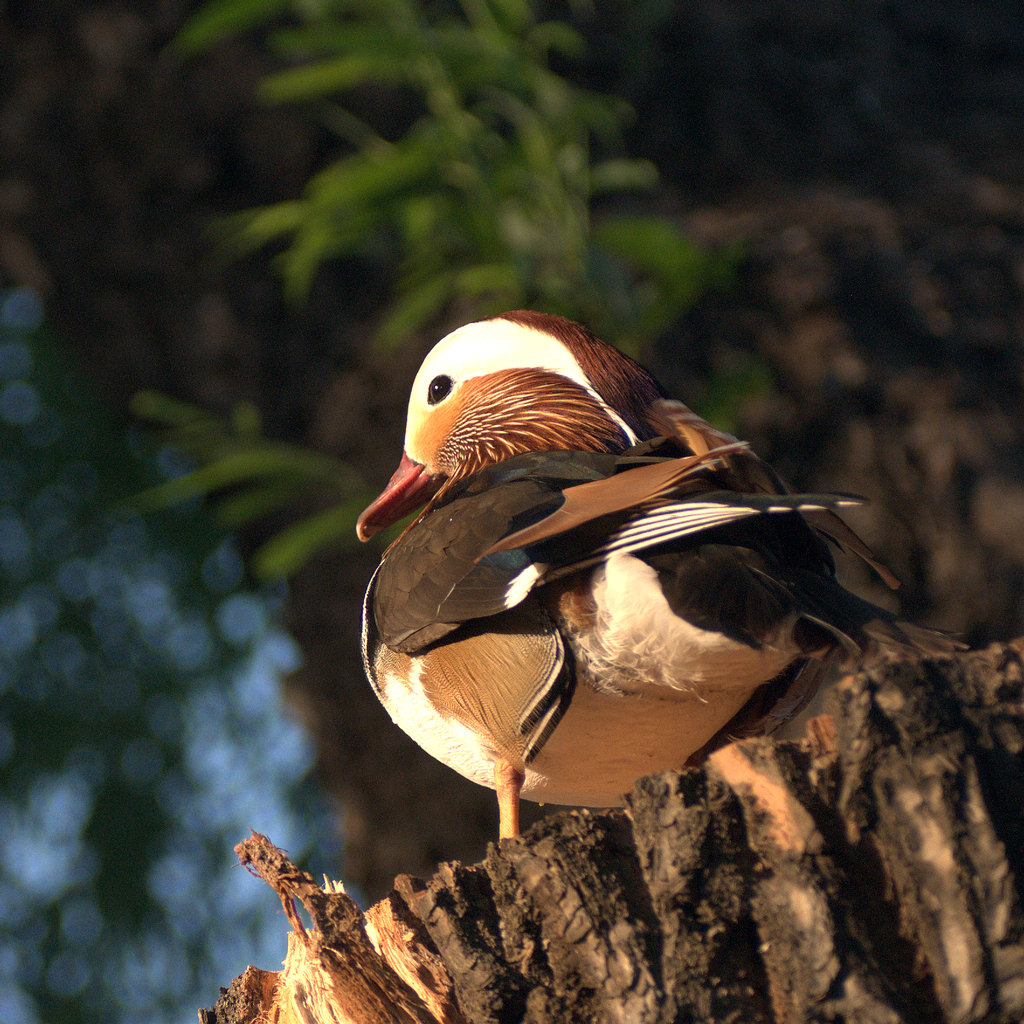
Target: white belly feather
441,736
640,645
651,689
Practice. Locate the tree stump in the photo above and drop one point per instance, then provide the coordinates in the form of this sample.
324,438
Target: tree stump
871,872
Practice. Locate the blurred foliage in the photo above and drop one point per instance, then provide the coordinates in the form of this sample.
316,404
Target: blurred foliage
139,701
250,477
732,388
472,175
470,169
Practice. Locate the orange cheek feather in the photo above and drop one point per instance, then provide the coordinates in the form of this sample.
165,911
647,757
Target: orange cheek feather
427,437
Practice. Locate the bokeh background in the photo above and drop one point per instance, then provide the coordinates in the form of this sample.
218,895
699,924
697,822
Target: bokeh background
228,234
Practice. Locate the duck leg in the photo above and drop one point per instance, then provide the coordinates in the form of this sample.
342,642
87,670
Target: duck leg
508,780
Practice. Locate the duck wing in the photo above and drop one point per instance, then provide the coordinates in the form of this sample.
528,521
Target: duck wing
543,516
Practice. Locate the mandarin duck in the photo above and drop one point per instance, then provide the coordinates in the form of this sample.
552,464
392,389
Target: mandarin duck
599,584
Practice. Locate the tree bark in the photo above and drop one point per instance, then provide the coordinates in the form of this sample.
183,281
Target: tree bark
871,872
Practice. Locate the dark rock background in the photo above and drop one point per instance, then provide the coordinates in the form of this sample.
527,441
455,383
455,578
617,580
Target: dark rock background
868,157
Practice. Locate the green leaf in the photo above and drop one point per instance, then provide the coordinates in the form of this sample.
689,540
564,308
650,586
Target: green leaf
728,392
324,77
489,193
622,175
246,421
345,37
252,505
312,245
372,175
488,278
289,550
218,19
244,233
412,309
658,247
169,412
558,37
236,468
249,464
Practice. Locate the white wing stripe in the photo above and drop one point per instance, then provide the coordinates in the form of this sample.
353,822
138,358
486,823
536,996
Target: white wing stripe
661,524
521,584
671,522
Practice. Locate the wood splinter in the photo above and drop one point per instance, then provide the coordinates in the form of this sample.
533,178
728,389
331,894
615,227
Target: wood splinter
380,968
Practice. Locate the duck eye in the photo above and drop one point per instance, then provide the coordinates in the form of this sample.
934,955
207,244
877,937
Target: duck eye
439,389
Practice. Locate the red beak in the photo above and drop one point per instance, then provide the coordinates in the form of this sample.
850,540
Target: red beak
410,488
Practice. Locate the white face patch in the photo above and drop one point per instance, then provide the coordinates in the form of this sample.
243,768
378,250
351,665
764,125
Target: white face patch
488,347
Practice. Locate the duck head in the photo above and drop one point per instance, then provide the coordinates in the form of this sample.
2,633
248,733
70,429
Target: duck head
519,382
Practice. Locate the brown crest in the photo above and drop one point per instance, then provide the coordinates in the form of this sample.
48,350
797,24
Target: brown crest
622,382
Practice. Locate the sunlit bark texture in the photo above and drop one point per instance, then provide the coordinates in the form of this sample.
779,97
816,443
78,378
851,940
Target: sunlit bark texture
871,873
